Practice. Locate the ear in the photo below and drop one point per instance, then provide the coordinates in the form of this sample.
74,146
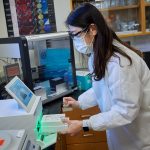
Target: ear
93,29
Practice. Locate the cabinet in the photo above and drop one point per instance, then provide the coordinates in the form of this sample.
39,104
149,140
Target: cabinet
84,140
125,17
147,15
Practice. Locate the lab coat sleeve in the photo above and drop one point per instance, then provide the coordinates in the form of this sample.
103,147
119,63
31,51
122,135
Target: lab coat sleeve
125,89
87,99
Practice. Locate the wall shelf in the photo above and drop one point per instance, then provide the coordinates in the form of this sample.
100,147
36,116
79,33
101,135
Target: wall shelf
119,8
147,4
123,18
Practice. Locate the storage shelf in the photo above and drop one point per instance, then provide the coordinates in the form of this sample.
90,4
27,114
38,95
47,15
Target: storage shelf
125,35
119,8
141,13
147,4
147,33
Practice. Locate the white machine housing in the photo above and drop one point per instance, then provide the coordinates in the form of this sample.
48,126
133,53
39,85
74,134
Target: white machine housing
16,140
14,118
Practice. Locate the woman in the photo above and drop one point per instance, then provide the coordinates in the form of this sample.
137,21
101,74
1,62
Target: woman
121,83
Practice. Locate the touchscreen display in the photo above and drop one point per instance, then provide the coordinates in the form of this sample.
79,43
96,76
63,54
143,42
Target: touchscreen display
21,92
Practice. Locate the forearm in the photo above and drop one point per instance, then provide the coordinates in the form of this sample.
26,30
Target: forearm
112,119
87,99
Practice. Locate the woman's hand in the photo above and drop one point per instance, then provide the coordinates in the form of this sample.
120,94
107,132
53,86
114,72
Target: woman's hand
74,127
70,102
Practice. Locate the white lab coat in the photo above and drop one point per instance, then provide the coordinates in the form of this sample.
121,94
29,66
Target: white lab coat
123,97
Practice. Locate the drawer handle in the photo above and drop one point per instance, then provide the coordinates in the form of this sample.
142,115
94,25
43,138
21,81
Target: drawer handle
58,138
85,116
87,135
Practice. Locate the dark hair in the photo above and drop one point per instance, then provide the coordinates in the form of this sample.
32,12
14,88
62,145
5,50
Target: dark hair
87,14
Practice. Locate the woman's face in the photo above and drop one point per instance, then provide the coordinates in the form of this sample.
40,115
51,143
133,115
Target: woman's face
88,33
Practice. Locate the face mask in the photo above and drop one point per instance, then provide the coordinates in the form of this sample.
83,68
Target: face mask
81,46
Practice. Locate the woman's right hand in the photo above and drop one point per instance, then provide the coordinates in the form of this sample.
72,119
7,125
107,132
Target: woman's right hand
70,102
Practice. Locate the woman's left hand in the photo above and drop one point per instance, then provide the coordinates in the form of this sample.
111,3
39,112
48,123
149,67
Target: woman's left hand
74,127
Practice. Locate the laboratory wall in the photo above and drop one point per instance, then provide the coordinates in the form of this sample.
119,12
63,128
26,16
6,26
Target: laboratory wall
3,31
3,27
62,9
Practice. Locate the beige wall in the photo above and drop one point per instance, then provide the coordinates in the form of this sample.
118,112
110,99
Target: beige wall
3,28
62,10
